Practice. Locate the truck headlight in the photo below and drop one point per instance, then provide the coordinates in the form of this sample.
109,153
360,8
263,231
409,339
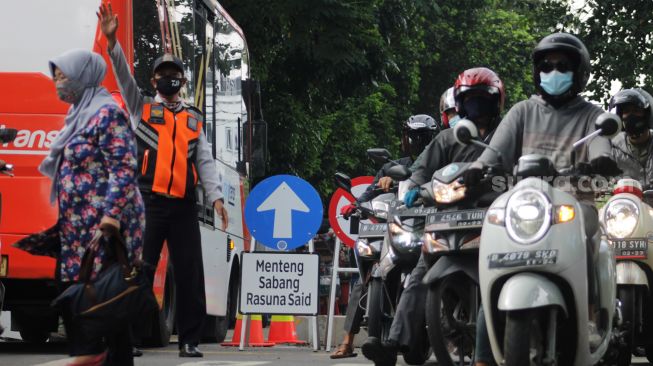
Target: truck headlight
404,239
621,217
448,193
528,216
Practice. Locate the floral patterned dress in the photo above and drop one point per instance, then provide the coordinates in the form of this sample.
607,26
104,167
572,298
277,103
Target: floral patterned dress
97,177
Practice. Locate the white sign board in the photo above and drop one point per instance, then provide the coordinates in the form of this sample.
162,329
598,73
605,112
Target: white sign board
279,283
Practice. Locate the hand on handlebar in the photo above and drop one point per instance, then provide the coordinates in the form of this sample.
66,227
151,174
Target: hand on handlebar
385,183
347,211
473,175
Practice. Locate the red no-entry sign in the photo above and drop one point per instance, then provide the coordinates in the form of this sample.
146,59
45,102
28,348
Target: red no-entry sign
342,198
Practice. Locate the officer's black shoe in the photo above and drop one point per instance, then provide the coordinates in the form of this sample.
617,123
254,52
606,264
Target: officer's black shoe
136,352
190,350
376,351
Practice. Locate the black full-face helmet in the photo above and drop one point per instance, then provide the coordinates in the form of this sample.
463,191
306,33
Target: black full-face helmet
417,132
574,49
638,98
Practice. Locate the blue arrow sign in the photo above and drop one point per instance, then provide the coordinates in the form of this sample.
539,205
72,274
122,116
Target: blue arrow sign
283,212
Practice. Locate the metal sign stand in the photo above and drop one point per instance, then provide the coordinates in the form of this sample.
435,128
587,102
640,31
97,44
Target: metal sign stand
332,297
244,330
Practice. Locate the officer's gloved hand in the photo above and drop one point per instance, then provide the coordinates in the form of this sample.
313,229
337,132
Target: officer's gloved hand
411,197
348,210
605,165
473,175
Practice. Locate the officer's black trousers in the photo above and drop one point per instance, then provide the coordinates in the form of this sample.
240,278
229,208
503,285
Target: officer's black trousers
175,221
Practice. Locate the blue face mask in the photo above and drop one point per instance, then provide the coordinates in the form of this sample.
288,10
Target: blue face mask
556,82
453,121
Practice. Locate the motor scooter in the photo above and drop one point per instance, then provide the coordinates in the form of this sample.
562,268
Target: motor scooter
628,221
540,250
6,135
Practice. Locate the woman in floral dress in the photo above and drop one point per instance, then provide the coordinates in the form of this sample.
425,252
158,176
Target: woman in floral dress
93,165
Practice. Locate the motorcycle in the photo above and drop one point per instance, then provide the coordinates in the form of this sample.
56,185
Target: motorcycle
399,255
628,220
539,250
6,135
451,245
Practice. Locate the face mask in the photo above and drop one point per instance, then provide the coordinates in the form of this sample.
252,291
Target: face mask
168,86
635,125
453,121
70,91
477,107
555,82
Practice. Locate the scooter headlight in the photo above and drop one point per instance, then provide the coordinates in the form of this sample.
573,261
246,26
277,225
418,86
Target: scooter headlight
621,217
380,209
366,249
448,193
405,239
528,216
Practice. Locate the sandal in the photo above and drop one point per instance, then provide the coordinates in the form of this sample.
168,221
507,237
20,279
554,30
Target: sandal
344,351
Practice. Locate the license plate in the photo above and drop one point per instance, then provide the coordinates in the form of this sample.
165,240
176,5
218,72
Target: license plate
526,258
414,211
4,265
467,219
368,230
633,248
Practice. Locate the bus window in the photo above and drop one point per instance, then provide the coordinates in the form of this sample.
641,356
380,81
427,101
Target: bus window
147,42
229,50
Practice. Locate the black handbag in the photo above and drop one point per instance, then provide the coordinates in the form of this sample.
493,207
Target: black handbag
119,295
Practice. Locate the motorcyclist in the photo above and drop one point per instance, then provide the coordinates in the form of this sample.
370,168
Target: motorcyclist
417,132
548,124
479,96
448,113
632,147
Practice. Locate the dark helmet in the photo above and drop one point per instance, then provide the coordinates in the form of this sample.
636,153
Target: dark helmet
447,102
636,97
482,79
574,48
417,132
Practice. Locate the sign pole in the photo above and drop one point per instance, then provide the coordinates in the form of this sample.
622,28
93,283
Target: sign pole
244,330
314,335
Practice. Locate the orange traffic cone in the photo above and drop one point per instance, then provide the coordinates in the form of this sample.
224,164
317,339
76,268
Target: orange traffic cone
282,330
255,332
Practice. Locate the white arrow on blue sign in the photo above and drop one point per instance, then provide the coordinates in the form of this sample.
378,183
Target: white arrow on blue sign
283,212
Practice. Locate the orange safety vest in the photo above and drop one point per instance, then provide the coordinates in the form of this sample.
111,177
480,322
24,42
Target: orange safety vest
167,144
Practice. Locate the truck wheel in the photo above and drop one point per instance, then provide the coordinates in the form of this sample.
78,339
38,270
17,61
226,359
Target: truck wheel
163,320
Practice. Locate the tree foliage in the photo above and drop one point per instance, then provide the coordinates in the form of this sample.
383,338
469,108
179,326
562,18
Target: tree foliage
618,35
339,76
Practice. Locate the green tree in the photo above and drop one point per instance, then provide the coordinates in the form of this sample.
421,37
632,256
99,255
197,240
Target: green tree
618,36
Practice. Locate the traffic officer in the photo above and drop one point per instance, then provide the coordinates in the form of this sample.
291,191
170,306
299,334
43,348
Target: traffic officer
173,155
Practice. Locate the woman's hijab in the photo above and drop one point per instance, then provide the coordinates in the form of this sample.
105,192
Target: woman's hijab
87,69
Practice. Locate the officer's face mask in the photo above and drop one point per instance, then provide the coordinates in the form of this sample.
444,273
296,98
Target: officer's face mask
635,125
70,91
556,82
453,121
168,86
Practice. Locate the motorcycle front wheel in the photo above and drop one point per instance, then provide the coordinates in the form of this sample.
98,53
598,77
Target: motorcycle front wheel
525,337
451,320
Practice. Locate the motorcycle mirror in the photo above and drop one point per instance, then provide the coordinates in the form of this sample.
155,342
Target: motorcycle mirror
343,181
609,124
465,131
379,156
398,173
7,135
